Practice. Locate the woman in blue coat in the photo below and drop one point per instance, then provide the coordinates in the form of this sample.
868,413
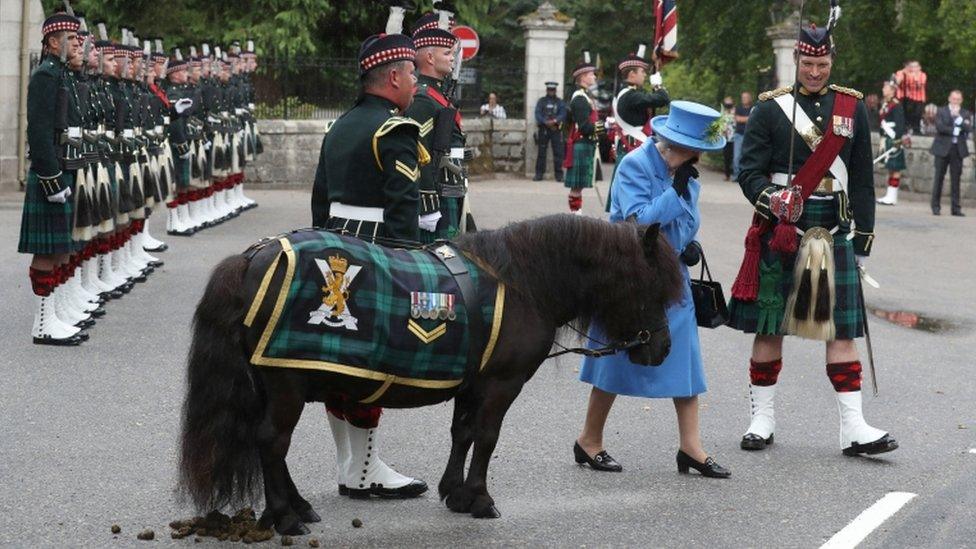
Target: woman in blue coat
658,183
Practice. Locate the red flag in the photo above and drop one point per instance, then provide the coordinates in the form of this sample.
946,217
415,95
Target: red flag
665,31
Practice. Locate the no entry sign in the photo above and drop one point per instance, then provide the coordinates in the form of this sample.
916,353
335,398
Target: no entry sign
469,41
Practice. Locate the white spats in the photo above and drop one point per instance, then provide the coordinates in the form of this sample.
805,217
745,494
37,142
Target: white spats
890,198
366,469
340,434
763,419
868,521
853,428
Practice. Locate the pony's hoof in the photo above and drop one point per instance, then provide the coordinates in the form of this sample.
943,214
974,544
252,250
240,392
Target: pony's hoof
460,500
292,528
484,508
309,515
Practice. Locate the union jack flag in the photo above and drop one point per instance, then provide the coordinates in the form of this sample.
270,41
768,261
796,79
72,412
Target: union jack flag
665,30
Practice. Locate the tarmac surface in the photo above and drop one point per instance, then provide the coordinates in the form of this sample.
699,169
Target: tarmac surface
89,434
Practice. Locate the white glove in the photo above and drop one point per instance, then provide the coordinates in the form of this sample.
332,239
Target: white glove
656,80
428,222
958,121
61,197
207,144
862,260
188,154
955,131
889,129
183,104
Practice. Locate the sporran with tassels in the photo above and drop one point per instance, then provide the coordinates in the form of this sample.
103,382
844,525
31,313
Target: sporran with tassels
810,306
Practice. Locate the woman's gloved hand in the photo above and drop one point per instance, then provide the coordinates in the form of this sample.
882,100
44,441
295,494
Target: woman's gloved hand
682,175
692,254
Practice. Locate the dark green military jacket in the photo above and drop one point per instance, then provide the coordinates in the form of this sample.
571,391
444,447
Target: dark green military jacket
579,112
424,110
371,158
633,106
766,150
177,124
42,94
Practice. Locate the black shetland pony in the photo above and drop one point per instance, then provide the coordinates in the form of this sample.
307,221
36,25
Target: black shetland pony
238,419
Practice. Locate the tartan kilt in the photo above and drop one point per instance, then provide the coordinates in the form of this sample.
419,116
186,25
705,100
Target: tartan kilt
181,177
895,162
580,174
848,315
448,226
45,227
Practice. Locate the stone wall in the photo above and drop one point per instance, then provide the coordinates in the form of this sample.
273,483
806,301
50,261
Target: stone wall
921,170
291,149
10,80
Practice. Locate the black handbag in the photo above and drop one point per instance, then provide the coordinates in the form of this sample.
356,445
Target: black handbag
710,308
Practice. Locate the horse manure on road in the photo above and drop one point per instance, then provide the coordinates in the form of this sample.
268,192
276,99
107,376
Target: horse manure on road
242,527
146,535
356,523
116,528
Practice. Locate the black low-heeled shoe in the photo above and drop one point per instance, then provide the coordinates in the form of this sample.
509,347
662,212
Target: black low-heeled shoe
600,462
708,469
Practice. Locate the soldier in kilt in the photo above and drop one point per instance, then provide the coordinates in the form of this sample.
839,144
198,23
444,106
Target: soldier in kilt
808,238
584,133
47,221
366,186
633,106
892,115
440,132
178,220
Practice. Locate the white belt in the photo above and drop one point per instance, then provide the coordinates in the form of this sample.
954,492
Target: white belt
457,153
356,213
782,179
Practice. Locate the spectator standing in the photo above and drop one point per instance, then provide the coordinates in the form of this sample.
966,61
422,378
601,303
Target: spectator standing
911,81
954,124
492,108
728,131
550,114
873,103
741,117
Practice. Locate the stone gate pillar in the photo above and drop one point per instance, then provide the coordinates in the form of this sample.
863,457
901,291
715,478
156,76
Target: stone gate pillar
783,34
546,32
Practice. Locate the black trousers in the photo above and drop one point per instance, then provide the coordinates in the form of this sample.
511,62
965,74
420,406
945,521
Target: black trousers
727,155
954,164
913,114
546,136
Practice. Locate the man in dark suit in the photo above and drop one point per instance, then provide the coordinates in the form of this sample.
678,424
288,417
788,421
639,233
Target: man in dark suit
953,124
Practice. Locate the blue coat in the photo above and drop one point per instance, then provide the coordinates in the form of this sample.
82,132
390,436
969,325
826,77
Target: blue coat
642,187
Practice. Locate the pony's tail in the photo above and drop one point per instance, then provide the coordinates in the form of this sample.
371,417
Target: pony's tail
219,461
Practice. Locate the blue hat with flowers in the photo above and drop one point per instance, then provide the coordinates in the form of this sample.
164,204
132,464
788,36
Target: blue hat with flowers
690,125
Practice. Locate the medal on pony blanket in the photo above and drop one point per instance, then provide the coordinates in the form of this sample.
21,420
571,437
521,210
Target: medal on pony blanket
810,308
432,306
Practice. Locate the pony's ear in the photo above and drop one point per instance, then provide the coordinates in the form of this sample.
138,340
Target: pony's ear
650,236
632,219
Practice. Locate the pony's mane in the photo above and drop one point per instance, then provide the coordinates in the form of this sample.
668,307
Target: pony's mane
572,267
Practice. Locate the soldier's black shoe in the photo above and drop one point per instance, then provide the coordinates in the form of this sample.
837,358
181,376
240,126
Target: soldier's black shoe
72,341
161,248
537,178
111,294
752,441
156,263
99,312
85,324
411,490
880,446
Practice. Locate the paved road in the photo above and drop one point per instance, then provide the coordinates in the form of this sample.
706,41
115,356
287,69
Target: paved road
88,434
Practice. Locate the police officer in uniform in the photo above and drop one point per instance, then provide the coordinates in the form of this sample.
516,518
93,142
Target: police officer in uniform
366,186
550,115
807,285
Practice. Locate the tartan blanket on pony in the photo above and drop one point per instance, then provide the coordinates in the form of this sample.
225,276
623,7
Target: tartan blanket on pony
352,307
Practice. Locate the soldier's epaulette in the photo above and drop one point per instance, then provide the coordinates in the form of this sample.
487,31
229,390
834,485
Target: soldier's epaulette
773,94
328,126
848,91
387,127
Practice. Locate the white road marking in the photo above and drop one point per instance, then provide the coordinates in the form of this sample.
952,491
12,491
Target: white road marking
972,450
869,520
